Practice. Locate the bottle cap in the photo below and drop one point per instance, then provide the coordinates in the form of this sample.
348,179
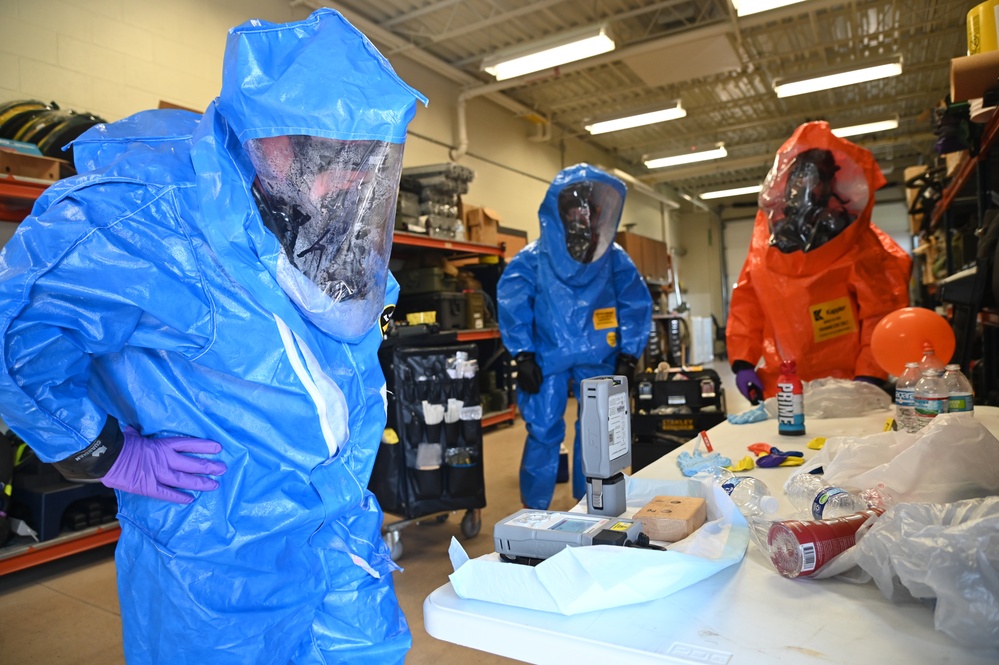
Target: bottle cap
768,504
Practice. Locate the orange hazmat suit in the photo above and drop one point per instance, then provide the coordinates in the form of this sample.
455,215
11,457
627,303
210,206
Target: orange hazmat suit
817,301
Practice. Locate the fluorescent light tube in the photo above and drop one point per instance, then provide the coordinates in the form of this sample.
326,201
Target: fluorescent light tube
546,54
866,128
737,191
686,158
789,88
650,118
747,7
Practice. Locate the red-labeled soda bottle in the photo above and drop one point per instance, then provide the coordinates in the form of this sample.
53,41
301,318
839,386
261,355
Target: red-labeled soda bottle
800,548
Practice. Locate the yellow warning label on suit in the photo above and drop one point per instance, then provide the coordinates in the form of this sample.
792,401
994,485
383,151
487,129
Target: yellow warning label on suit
605,318
612,339
832,319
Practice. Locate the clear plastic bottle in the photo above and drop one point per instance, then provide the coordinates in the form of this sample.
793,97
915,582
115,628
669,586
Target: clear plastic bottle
812,495
960,395
930,397
750,495
905,398
930,359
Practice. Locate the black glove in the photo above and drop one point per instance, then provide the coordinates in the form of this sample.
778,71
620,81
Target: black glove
626,367
529,375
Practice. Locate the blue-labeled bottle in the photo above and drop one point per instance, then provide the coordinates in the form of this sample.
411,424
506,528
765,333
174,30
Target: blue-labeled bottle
790,401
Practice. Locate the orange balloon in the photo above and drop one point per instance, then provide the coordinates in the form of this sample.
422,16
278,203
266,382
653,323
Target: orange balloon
900,338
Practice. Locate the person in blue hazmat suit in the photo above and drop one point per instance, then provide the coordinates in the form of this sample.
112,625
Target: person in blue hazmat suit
571,306
193,321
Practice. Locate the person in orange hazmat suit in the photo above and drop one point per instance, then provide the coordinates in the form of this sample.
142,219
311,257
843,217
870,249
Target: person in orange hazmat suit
819,274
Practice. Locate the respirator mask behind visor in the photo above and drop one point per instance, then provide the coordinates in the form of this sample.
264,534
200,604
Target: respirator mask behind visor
589,212
820,196
330,203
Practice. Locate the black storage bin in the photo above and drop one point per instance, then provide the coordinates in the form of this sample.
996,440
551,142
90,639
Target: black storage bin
424,280
656,435
697,390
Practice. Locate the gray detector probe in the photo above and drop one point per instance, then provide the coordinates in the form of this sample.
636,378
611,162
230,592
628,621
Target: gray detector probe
606,442
529,535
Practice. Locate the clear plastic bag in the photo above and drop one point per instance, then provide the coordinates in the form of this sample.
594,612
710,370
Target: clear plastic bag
838,398
947,552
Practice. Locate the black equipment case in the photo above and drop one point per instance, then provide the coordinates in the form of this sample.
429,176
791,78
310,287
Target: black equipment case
668,413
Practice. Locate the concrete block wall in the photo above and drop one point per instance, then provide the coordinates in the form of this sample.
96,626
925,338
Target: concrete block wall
116,57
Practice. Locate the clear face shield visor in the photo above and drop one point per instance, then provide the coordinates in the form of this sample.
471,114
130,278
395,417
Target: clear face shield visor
811,197
589,212
331,204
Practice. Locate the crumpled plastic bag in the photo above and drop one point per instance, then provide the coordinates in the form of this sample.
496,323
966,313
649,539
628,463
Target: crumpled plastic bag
585,579
837,398
954,457
948,552
942,539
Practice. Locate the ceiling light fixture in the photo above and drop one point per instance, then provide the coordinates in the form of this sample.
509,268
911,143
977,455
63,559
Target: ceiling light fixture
737,191
867,128
551,52
747,7
687,158
637,120
825,81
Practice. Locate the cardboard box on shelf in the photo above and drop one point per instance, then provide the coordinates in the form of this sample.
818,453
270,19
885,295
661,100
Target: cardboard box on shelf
482,225
32,166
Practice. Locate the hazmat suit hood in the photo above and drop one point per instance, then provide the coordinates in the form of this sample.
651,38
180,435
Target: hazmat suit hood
579,218
300,158
816,200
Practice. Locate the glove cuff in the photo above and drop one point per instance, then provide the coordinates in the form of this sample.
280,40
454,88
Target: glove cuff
93,462
524,355
739,365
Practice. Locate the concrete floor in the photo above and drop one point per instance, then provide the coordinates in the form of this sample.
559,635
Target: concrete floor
67,613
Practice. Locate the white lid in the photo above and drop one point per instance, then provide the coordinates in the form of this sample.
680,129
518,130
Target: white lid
768,504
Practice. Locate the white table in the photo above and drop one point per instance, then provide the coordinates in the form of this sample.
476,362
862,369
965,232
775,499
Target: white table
746,614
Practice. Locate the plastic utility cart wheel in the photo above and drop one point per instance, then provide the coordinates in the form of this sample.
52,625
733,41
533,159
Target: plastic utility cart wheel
471,523
394,544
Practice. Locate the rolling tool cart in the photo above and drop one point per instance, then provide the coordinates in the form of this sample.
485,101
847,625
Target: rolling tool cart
671,407
429,463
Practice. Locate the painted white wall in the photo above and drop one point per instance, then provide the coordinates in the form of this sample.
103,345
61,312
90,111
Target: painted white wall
116,57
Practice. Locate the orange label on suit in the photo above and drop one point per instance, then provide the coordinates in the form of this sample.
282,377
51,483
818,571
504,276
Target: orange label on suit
832,319
605,318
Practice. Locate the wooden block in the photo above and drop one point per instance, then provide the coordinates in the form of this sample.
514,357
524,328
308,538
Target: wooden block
672,518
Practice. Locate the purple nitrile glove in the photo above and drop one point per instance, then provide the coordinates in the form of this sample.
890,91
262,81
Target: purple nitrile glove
158,468
749,384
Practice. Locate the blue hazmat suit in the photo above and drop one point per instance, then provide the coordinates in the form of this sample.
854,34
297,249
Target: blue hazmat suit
574,299
148,289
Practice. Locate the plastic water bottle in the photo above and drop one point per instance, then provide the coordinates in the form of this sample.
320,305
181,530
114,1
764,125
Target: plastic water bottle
960,397
811,494
930,397
930,359
790,401
905,398
750,495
